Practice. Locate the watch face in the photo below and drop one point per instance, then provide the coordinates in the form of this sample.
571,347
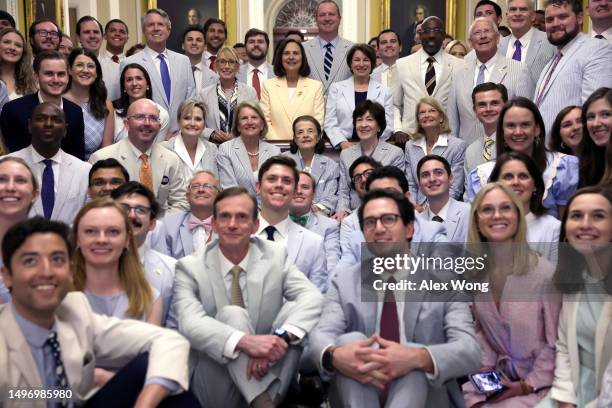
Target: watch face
280,331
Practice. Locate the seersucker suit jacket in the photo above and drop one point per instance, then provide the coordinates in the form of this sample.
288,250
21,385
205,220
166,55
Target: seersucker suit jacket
409,86
306,250
3,95
457,221
90,339
235,167
339,70
169,184
176,239
272,280
329,229
341,104
71,190
242,73
539,52
463,122
208,95
326,173
181,78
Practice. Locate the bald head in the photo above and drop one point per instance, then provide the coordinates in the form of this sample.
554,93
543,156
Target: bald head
142,123
140,104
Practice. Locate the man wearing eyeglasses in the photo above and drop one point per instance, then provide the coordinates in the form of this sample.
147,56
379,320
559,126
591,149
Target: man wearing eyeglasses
383,349
142,209
44,35
431,78
148,162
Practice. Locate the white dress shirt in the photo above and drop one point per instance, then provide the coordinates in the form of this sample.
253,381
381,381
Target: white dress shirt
437,63
525,40
40,168
281,233
262,74
422,142
197,75
489,66
606,34
153,55
442,213
206,59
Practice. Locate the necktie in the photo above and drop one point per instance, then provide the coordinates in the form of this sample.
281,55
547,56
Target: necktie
47,191
389,327
487,152
193,68
195,222
517,51
437,218
430,76
236,292
328,60
270,232
146,177
553,65
302,220
481,73
600,37
390,76
165,75
56,351
115,59
213,58
256,84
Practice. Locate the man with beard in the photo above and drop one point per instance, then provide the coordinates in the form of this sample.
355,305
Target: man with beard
215,34
580,66
256,70
44,35
600,12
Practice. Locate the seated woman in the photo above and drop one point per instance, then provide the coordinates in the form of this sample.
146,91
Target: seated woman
345,95
521,129
520,174
566,131
196,154
369,122
583,276
222,97
307,149
433,137
516,320
291,93
597,125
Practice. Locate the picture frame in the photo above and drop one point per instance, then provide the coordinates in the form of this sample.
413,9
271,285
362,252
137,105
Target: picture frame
38,9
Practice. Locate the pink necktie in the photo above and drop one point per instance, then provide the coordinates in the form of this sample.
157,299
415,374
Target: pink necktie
195,222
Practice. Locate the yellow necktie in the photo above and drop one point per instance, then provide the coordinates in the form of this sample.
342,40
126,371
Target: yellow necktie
487,151
146,177
236,292
390,76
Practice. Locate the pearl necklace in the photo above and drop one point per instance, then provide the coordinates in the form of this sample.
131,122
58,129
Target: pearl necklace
252,154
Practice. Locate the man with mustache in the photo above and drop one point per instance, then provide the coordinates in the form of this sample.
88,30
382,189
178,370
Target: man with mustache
256,70
600,12
44,34
579,67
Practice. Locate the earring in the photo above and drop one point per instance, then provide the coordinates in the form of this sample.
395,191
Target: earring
148,88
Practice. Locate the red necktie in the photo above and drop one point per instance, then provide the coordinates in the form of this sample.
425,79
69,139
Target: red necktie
213,58
256,84
389,328
115,59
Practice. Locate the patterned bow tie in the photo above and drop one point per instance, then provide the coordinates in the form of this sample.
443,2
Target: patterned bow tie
302,220
195,222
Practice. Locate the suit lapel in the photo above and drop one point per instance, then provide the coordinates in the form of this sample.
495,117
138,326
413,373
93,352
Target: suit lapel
69,346
66,175
534,49
446,72
451,219
348,93
312,48
243,158
256,277
159,169
126,158
416,73
412,308
213,275
318,166
565,59
19,351
500,69
295,238
282,94
149,64
185,235
603,327
374,90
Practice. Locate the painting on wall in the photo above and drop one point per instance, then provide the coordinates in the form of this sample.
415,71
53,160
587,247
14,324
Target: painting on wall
405,14
41,9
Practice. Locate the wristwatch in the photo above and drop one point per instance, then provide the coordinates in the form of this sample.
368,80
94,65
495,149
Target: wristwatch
328,359
283,334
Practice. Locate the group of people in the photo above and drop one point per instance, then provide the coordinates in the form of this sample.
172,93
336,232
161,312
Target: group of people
161,246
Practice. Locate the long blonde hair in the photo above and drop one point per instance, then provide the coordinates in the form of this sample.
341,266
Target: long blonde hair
131,272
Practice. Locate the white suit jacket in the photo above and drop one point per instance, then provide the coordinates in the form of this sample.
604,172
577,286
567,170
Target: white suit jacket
71,191
159,270
539,52
339,70
87,340
181,78
169,184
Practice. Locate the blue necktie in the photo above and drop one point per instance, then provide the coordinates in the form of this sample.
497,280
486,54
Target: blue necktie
481,73
517,51
328,60
270,232
60,372
47,193
165,75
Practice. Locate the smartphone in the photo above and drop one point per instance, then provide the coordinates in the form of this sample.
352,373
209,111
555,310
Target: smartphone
486,382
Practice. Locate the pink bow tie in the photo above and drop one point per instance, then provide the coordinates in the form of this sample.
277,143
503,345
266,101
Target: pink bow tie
195,222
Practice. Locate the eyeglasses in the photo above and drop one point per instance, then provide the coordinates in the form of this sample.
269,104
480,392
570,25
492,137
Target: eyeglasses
222,62
145,118
205,186
489,211
482,33
387,220
431,30
45,33
359,176
140,210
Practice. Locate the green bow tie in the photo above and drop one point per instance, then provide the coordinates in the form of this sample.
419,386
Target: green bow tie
302,220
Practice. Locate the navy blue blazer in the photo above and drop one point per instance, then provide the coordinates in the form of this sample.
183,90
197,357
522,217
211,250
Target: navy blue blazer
14,124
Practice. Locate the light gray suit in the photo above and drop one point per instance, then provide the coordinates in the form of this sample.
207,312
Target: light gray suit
457,221
473,154
181,78
177,240
584,67
208,95
235,167
463,122
208,161
384,153
329,229
159,270
539,52
71,189
207,318
169,184
341,104
326,173
410,86
339,70
242,73
444,328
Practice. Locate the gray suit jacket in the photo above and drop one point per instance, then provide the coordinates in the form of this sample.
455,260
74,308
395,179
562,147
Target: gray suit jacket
341,104
584,67
159,270
181,78
539,52
169,184
235,167
384,153
306,250
445,328
271,280
329,229
326,173
208,95
473,154
457,221
177,239
463,122
71,189
242,73
207,162
339,70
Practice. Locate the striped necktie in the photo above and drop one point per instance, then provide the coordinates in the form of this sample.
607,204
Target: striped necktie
236,293
430,76
487,152
328,60
553,65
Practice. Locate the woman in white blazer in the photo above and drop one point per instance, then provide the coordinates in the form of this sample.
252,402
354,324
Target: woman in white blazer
584,349
345,95
222,97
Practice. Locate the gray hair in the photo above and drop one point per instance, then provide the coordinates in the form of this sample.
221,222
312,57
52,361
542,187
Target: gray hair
480,20
159,12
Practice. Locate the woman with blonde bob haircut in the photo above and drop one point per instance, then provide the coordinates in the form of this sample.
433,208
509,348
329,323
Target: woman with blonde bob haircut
516,318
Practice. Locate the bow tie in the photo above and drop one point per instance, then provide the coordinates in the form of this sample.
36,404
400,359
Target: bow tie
195,222
302,220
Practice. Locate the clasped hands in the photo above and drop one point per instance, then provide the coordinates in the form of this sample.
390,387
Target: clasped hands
263,351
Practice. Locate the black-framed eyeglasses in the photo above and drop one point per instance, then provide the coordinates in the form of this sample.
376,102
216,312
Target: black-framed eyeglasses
359,176
46,33
138,209
387,220
145,118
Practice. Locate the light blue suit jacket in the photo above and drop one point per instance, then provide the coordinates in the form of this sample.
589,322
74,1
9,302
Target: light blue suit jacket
457,221
341,104
339,70
159,270
329,229
177,238
242,73
181,78
584,67
306,250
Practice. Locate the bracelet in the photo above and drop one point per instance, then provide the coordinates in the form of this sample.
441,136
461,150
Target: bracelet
526,388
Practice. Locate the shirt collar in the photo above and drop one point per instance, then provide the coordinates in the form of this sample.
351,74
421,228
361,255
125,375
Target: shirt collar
107,54
442,213
606,34
181,149
334,42
525,39
137,152
226,265
35,335
567,47
437,56
422,142
282,227
263,68
37,158
153,54
40,100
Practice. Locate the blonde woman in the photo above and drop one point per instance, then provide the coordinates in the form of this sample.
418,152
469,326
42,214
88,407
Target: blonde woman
16,64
